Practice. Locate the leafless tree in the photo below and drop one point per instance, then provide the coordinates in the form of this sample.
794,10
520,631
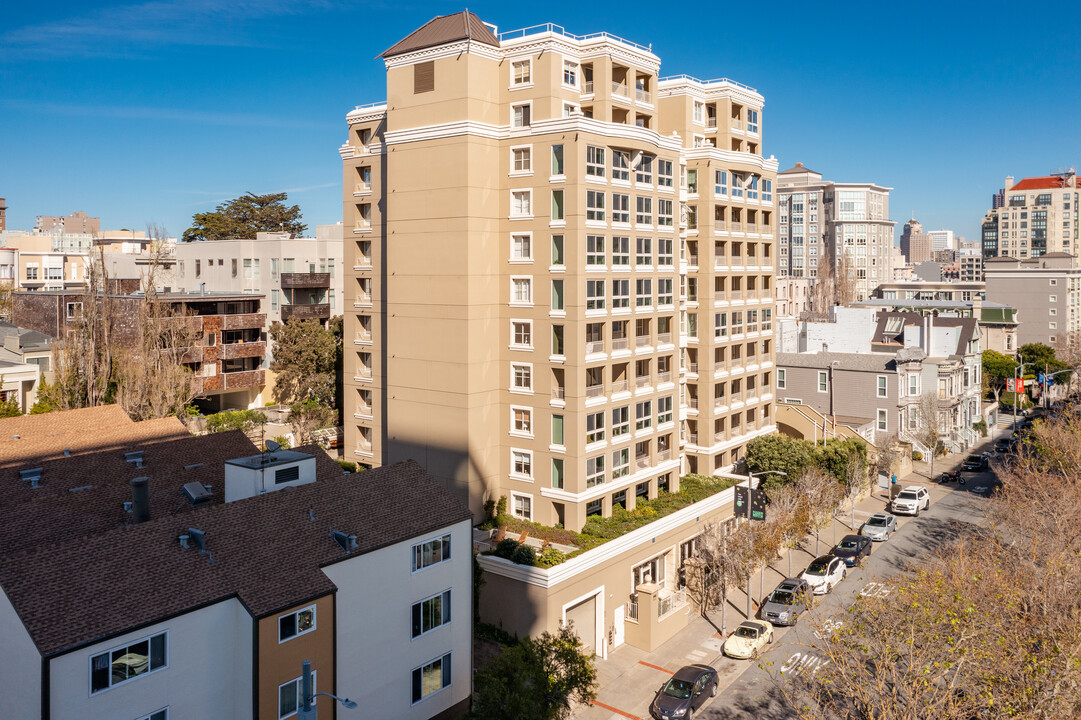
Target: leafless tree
929,421
724,560
822,494
789,509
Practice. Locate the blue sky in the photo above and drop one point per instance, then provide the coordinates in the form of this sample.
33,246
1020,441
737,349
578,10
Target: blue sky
152,111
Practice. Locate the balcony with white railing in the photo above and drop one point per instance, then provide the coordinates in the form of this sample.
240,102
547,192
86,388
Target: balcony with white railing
642,381
619,386
595,391
587,87
620,90
643,96
663,377
671,603
664,338
594,346
641,341
558,392
620,344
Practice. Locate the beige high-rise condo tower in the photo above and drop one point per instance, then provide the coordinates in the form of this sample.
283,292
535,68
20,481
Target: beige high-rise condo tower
560,270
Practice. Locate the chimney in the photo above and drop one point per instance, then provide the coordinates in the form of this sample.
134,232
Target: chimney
140,499
1009,182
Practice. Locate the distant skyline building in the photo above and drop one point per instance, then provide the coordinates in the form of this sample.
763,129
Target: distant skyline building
818,217
1039,216
942,240
77,222
916,245
3,215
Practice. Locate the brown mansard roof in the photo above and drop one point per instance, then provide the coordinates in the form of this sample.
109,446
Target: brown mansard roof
442,30
77,571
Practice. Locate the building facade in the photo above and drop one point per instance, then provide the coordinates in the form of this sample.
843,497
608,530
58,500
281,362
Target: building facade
794,296
931,290
837,220
1039,216
942,240
1045,291
77,222
916,245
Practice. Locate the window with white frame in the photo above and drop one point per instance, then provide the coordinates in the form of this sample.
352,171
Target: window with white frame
822,381
594,294
521,377
664,213
643,255
720,182
621,251
521,159
521,419
431,552
621,463
520,115
523,505
643,174
665,256
913,384
643,210
521,72
121,664
664,173
296,623
594,471
521,334
664,410
651,571
570,73
595,250
698,113
781,379
521,203
643,415
664,291
289,699
594,427
643,292
621,208
880,386
521,246
569,109
881,419
557,250
621,423
752,120
431,677
621,165
162,714
557,473
621,293
431,613
521,291
595,161
595,205
521,464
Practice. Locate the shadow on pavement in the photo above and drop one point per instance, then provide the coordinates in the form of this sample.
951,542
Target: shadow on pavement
767,705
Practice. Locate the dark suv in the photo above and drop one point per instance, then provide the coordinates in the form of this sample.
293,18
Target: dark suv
784,605
974,463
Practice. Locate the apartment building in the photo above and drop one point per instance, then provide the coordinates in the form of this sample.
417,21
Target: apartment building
301,277
998,323
916,245
1039,216
580,313
200,588
77,222
824,218
229,362
930,290
877,393
1045,291
3,215
970,268
794,295
942,240
39,262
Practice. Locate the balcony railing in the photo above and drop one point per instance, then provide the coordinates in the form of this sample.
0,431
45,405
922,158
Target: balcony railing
664,338
663,377
320,311
363,299
233,351
587,87
619,386
245,321
692,438
558,392
711,122
664,455
595,391
244,379
620,89
308,280
643,96
671,603
692,403
595,346
641,341
692,367
641,381
620,343
641,461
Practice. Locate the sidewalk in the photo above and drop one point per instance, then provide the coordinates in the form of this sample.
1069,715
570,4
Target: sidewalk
629,678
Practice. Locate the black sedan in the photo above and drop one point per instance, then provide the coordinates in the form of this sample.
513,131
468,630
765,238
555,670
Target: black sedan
974,463
852,549
684,693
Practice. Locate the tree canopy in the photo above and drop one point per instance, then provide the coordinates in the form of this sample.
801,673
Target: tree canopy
997,369
245,216
305,355
1041,356
793,456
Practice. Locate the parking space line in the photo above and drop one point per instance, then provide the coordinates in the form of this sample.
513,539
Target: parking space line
655,667
615,710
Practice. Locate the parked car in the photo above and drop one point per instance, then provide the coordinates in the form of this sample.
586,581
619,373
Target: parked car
748,639
879,527
1003,445
975,463
824,573
911,500
787,602
852,549
684,693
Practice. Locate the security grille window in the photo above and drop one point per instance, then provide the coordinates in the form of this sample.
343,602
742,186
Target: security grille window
284,475
431,552
128,662
296,623
431,678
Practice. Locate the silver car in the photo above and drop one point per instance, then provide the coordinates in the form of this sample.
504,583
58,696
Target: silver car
879,527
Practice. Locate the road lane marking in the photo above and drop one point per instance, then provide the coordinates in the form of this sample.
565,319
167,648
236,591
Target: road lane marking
875,590
798,663
615,710
655,667
828,626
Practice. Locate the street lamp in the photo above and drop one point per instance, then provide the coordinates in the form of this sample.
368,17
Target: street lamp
762,580
307,709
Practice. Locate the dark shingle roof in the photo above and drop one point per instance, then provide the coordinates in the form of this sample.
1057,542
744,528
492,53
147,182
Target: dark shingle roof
267,550
442,30
85,438
57,423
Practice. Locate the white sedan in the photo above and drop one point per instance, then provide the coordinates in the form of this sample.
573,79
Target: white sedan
748,639
824,573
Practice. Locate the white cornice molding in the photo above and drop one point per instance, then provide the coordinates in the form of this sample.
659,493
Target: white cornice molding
732,157
711,91
591,559
584,49
446,130
367,114
444,51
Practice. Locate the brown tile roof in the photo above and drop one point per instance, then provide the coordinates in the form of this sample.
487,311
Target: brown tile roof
1043,182
67,421
27,452
266,550
442,30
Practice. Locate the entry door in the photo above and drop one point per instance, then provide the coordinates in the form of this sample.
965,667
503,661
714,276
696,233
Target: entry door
617,634
584,617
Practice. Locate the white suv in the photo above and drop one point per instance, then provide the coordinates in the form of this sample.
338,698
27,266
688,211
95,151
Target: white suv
911,500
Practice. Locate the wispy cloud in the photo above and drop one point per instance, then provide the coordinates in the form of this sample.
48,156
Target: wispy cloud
141,28
135,112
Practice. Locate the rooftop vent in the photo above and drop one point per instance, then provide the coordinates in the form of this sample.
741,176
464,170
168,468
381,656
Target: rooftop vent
140,499
198,537
196,493
347,542
135,457
32,476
